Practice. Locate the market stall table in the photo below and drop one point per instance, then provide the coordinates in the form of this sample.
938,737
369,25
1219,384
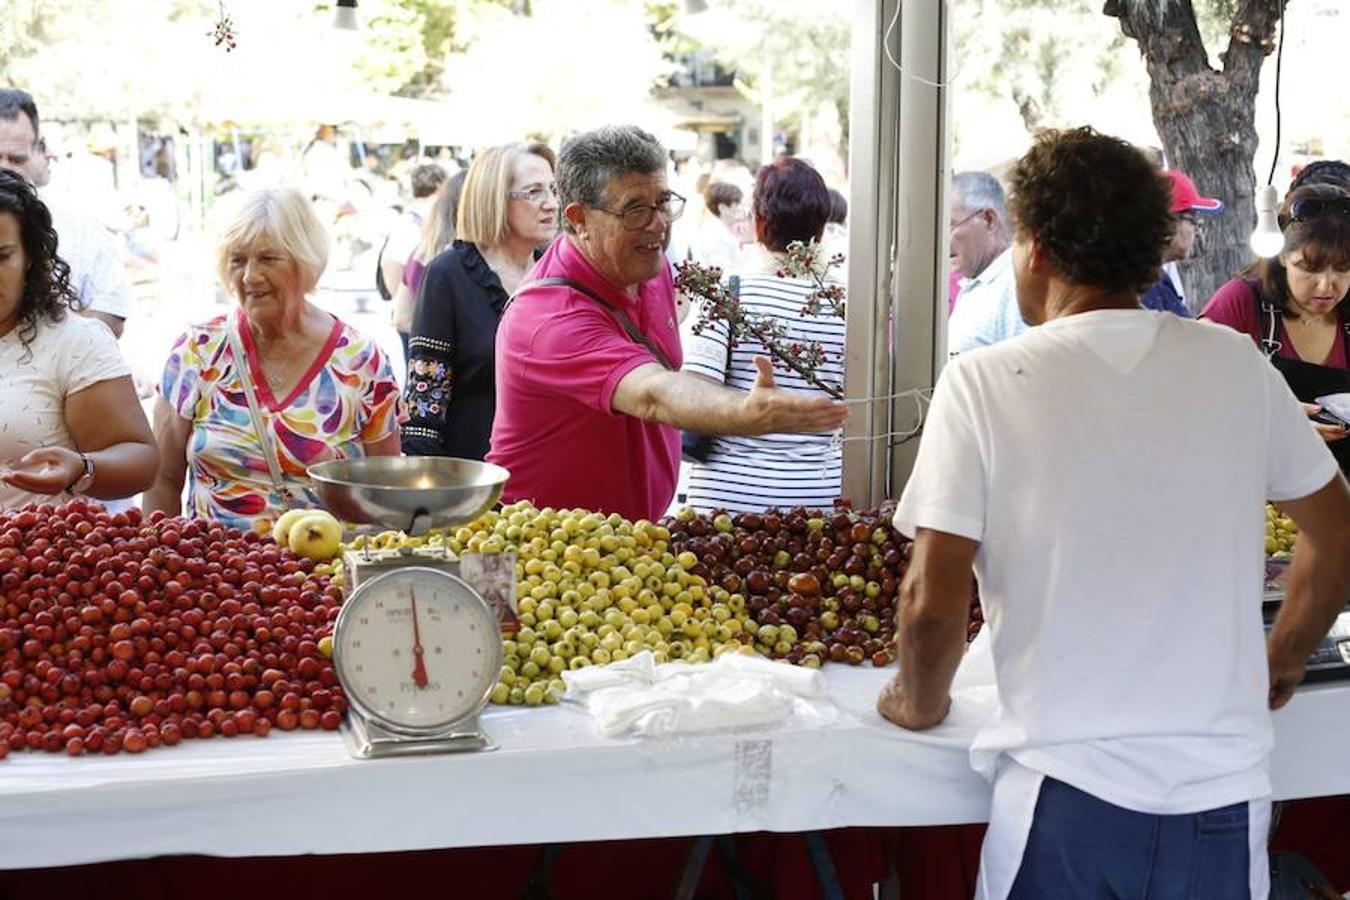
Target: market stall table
551,780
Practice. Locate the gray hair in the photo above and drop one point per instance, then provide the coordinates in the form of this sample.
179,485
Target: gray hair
980,190
591,160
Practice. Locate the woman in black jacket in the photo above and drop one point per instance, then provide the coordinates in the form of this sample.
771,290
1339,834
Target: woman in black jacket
507,210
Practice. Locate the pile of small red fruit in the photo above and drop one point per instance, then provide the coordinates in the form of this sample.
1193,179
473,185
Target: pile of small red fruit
123,633
832,576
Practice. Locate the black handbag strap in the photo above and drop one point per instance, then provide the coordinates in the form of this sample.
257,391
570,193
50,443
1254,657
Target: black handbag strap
634,333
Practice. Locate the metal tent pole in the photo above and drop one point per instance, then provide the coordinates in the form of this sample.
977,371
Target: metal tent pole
920,297
873,157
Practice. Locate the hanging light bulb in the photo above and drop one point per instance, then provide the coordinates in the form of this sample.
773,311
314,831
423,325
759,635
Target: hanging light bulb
344,16
1267,239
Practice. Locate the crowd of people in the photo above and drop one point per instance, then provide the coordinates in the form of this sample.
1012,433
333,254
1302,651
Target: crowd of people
543,333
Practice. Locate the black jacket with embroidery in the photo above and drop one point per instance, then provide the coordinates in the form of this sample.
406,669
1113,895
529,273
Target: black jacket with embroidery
451,391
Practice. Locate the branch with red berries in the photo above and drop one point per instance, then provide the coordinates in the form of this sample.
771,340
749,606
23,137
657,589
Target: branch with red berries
223,33
716,303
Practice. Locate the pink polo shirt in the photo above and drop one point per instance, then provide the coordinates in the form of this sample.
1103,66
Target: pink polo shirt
560,355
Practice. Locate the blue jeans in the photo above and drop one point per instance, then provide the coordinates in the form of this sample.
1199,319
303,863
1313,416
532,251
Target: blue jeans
1083,848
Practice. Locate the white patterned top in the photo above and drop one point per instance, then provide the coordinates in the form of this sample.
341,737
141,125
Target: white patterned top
64,358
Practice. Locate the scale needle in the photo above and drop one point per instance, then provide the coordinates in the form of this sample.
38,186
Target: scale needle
419,667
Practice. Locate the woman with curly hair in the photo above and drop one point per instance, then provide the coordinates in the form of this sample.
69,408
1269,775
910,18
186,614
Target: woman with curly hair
69,418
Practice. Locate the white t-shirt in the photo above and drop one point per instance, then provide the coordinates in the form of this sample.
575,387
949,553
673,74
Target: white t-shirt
64,358
97,272
403,239
745,474
986,309
1113,466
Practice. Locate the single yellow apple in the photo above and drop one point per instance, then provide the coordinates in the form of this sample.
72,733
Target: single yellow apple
281,529
317,536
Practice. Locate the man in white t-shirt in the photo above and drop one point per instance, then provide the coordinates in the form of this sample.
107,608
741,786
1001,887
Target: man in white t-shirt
986,308
97,272
1105,473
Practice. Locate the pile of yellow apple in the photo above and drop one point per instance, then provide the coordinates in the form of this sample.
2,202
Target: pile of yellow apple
593,589
312,533
1281,532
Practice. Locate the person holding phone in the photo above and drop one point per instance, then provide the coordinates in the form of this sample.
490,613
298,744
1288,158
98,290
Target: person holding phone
1294,304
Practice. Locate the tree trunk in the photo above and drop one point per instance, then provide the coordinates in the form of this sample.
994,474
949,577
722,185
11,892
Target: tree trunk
1206,119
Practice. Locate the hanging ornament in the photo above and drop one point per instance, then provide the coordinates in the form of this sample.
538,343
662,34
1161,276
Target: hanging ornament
224,33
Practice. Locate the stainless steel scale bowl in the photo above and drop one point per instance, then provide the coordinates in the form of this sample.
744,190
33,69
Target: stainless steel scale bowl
409,493
416,648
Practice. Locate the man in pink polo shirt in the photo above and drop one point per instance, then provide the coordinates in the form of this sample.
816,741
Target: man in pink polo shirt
590,399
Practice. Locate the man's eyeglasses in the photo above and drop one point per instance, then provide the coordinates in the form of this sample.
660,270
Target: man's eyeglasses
1188,216
636,218
956,225
536,194
1316,207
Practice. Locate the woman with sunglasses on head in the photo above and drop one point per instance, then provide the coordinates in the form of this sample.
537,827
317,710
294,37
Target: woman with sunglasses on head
1295,307
508,209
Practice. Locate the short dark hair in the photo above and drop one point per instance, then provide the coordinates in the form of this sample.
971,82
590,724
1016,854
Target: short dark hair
838,208
1323,240
791,203
1323,171
591,160
1097,206
425,179
719,194
14,101
47,293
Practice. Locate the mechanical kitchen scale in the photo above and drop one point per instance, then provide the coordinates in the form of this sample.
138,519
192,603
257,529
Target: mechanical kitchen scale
1331,660
416,647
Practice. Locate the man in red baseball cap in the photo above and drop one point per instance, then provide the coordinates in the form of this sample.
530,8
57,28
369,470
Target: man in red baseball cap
1167,294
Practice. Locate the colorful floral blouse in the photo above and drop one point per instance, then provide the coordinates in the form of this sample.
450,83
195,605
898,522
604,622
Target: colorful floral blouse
348,398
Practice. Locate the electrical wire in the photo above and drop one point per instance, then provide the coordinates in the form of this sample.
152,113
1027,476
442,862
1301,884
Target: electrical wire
886,48
1279,60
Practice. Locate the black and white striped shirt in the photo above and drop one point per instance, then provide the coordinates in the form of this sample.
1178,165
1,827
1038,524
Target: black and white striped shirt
746,474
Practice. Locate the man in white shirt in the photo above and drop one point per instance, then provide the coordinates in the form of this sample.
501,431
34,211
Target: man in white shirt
96,270
1105,474
986,308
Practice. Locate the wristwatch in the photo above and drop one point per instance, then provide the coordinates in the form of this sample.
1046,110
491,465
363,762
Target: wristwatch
81,484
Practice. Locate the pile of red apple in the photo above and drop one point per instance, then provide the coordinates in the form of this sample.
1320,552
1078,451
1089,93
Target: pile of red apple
122,633
832,577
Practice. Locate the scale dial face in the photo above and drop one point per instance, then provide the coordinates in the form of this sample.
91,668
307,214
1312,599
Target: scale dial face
416,650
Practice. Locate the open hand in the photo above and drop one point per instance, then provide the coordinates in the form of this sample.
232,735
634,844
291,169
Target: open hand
776,411
49,470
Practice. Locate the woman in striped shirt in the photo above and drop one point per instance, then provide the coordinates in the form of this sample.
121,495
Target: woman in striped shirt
791,203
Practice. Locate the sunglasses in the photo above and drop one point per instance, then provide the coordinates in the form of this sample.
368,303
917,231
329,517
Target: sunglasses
1316,207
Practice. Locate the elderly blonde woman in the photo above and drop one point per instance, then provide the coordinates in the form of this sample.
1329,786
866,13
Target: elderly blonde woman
250,399
507,210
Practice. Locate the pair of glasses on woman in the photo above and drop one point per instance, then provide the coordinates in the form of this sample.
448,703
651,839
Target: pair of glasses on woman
1316,207
536,194
636,218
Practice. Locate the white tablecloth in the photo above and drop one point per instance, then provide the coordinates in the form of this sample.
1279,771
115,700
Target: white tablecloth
550,780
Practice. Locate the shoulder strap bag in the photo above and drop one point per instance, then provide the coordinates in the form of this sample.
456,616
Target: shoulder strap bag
625,322
695,447
288,494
